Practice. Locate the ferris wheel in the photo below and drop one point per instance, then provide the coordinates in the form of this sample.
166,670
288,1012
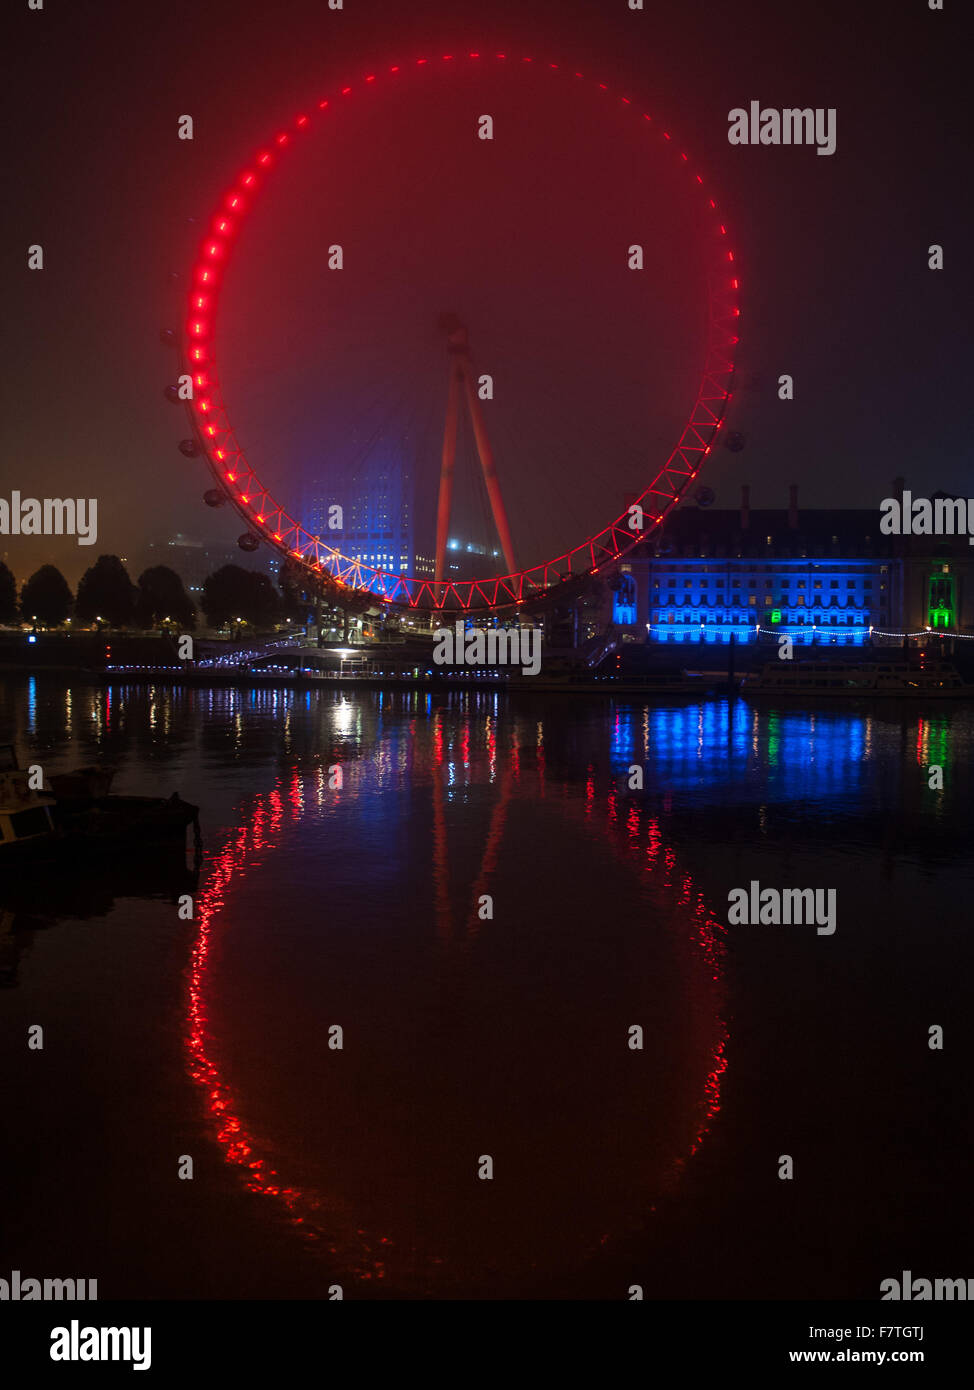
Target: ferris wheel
268,521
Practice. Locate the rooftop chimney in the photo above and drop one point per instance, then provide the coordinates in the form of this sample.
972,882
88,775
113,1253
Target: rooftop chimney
793,507
745,506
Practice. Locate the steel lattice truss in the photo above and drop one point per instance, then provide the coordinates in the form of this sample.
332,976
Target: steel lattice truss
271,523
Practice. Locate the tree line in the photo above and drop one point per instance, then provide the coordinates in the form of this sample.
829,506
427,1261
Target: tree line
106,595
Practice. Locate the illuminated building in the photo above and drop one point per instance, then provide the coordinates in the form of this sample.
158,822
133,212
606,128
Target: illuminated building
376,512
824,577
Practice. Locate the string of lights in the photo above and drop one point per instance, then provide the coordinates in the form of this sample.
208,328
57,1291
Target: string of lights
791,631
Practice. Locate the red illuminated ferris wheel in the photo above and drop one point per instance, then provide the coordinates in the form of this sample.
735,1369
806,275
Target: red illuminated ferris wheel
269,522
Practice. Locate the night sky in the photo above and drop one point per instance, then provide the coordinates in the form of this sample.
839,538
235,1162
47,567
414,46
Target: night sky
593,376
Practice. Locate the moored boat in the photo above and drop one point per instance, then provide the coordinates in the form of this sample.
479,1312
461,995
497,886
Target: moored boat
32,821
25,813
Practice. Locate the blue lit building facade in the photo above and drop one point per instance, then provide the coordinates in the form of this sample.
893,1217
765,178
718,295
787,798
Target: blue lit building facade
829,600
820,577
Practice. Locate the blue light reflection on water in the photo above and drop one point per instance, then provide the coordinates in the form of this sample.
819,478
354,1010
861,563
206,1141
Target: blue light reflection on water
781,754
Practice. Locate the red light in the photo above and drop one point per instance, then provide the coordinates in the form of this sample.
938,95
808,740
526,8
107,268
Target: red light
665,136
730,255
217,249
735,285
723,230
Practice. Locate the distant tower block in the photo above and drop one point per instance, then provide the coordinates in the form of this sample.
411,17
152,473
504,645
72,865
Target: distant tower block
462,376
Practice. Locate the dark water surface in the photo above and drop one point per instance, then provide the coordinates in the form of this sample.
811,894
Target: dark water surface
467,1035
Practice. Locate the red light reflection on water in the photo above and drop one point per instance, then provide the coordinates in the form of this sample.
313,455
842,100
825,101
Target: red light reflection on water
271,816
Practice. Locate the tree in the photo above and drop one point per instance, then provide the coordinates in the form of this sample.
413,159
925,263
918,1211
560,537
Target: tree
8,595
161,595
106,592
46,598
232,592
299,592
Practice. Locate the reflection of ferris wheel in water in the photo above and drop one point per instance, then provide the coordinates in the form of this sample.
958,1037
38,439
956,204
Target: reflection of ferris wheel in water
457,1241
270,523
